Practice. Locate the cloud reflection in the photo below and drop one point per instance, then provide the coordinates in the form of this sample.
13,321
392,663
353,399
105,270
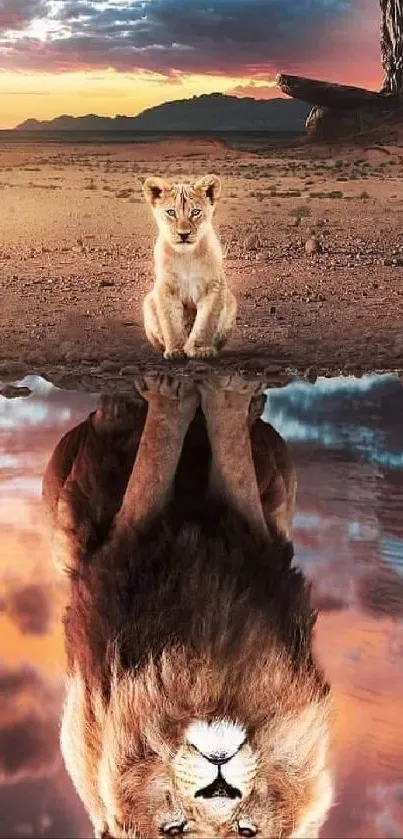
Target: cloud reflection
343,413
29,724
29,607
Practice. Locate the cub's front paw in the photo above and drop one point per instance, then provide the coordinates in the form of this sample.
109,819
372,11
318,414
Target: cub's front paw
174,353
162,391
232,392
194,350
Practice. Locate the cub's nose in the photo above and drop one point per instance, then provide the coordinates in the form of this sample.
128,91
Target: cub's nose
184,236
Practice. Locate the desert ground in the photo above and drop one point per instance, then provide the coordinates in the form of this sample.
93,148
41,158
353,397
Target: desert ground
313,242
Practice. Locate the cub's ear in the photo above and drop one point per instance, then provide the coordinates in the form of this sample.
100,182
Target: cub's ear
210,185
154,188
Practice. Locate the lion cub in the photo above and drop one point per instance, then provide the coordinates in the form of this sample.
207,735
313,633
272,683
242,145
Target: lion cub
190,310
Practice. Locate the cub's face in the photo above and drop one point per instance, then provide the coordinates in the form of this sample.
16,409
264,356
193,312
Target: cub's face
217,779
183,211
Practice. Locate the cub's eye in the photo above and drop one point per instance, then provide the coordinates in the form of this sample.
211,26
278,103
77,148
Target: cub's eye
195,213
174,828
246,828
171,213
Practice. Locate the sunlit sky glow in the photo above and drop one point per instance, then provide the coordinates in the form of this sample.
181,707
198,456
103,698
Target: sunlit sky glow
122,56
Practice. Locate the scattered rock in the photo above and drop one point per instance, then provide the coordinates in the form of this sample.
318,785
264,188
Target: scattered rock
311,375
108,365
272,369
14,392
129,370
312,246
12,368
252,242
66,347
34,358
124,193
393,261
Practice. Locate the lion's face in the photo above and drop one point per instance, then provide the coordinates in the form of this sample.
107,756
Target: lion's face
188,744
183,211
219,779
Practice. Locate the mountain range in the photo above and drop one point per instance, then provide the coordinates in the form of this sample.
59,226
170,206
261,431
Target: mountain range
214,112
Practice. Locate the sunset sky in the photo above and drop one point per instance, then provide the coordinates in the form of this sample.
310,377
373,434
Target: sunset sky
121,56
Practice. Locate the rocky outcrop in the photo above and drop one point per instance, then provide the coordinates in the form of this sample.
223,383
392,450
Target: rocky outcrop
342,111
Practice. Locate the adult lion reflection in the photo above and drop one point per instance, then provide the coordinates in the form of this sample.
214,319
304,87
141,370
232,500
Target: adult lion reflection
194,703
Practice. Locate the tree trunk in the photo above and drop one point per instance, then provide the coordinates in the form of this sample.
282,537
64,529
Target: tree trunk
392,45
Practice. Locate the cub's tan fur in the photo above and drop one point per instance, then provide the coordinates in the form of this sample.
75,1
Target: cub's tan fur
192,617
191,310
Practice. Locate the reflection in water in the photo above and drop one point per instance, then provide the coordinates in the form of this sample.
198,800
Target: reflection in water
347,536
194,704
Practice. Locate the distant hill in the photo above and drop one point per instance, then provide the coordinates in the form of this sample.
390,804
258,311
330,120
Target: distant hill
215,112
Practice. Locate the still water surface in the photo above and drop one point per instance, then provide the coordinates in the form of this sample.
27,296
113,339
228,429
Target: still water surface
346,439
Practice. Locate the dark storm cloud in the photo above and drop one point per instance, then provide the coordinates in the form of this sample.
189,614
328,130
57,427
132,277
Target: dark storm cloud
221,36
30,608
29,724
16,14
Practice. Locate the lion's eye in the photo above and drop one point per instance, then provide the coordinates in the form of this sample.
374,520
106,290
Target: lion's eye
171,213
195,212
246,828
174,828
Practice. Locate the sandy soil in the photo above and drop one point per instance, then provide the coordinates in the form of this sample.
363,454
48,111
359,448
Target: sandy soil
76,258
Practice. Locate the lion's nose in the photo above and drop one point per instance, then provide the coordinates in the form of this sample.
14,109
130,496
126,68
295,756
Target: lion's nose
218,759
184,236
